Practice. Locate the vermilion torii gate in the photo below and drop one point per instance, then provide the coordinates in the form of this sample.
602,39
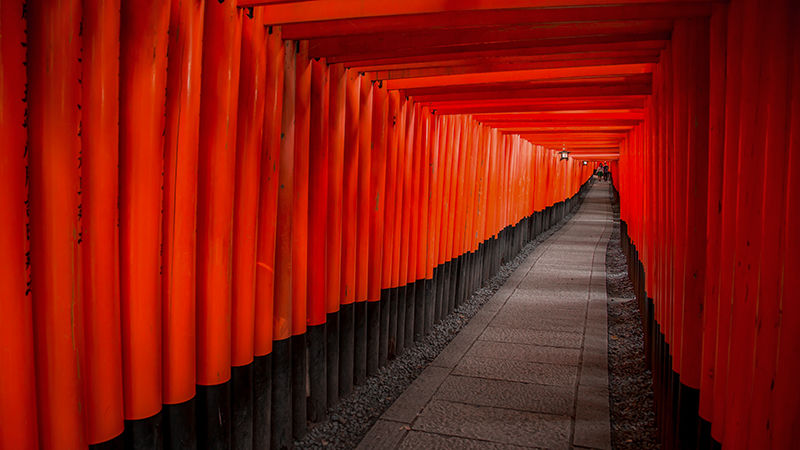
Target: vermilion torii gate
209,206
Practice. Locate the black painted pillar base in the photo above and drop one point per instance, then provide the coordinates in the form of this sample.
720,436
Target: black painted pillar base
346,348
411,304
452,288
317,373
447,294
437,294
117,443
486,272
672,405
461,290
262,401
299,397
360,355
419,309
281,411
144,433
688,418
332,357
242,407
400,336
648,332
384,326
214,416
179,426
705,439
430,306
373,336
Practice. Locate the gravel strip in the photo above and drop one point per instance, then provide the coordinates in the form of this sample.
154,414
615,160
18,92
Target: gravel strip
633,420
352,418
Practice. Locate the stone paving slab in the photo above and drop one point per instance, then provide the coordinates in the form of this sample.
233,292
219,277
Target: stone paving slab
547,323
533,337
431,441
531,368
413,400
384,434
558,400
522,352
505,426
514,370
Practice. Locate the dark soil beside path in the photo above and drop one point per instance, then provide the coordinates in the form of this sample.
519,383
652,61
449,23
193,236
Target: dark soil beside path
633,424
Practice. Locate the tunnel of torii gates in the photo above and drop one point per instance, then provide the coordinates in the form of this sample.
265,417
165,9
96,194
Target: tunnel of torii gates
219,217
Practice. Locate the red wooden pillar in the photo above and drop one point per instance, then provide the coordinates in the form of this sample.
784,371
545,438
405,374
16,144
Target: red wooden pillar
389,291
421,176
432,270
696,204
18,389
300,238
266,245
281,416
215,197
178,283
424,176
716,141
317,237
413,183
784,407
54,146
364,205
143,64
334,238
376,205
457,202
749,211
697,123
365,146
445,167
439,271
102,379
780,58
450,252
680,156
250,123
728,216
268,195
349,233
402,239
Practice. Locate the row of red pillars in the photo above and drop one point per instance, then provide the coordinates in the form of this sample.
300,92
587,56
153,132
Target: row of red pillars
709,189
183,192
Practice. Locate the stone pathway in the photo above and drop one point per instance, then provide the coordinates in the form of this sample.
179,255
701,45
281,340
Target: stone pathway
531,368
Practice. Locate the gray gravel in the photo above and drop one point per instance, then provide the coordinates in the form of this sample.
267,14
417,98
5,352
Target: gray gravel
352,418
633,424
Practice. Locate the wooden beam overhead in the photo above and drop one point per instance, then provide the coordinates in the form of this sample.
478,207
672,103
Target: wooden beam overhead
625,83
571,91
558,73
488,66
543,53
455,20
532,105
325,10
505,48
573,56
389,43
520,76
